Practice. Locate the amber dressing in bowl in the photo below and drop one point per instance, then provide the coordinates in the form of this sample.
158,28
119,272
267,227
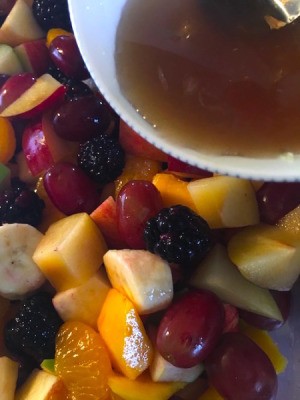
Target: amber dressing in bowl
213,76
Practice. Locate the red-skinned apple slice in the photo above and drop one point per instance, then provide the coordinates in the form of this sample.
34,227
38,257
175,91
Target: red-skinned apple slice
20,25
34,56
42,147
43,94
134,144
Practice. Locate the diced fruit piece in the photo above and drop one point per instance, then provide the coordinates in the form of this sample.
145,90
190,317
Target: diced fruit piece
173,191
9,61
225,201
82,361
211,394
239,369
145,278
218,274
34,56
266,343
266,255
143,386
20,25
231,318
183,338
54,32
44,93
163,371
19,275
290,223
42,147
123,332
43,386
83,303
184,170
7,141
134,144
71,251
137,168
48,365
105,216
8,378
14,87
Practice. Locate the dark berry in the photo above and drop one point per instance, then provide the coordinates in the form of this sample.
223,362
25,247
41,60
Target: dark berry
74,88
52,14
102,158
33,330
18,204
178,235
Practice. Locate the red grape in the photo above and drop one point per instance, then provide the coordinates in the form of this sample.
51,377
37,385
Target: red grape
70,189
65,54
275,199
240,370
190,328
137,202
283,300
81,118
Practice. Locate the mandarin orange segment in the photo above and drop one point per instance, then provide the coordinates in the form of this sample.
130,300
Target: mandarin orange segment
7,140
82,362
54,32
123,332
137,168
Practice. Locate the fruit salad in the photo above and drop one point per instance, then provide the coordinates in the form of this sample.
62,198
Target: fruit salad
126,274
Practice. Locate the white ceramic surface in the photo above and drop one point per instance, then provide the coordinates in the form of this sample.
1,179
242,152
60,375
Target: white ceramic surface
95,23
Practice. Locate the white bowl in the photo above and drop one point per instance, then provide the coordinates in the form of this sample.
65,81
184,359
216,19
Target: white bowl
95,23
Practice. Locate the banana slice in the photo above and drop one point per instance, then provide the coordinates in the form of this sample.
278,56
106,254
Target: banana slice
19,275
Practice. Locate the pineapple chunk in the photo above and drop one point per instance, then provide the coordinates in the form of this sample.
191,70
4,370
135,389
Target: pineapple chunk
123,332
145,278
71,251
225,201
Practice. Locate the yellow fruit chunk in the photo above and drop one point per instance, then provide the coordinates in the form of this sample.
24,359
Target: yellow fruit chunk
211,394
82,362
54,32
124,334
71,251
173,190
137,168
7,140
225,201
267,344
142,388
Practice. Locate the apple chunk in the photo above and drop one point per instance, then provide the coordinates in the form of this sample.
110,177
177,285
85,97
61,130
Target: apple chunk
267,256
45,92
34,56
218,274
9,61
8,378
224,201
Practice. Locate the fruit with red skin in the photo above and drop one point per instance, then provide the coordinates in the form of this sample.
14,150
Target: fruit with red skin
43,94
239,369
81,118
190,328
70,189
65,54
34,56
134,144
283,300
231,318
275,199
183,169
42,147
137,202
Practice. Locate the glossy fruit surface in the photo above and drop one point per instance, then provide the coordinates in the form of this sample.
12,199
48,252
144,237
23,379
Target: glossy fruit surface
81,118
82,362
70,189
190,328
7,140
239,369
137,202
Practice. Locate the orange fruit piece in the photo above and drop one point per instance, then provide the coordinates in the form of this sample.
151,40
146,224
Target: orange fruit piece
7,140
54,32
82,362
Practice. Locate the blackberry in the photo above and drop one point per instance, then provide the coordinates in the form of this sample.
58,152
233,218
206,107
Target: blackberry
33,330
74,88
20,204
178,235
52,14
102,158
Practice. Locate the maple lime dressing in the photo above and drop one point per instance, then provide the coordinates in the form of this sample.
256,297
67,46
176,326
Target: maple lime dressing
214,77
